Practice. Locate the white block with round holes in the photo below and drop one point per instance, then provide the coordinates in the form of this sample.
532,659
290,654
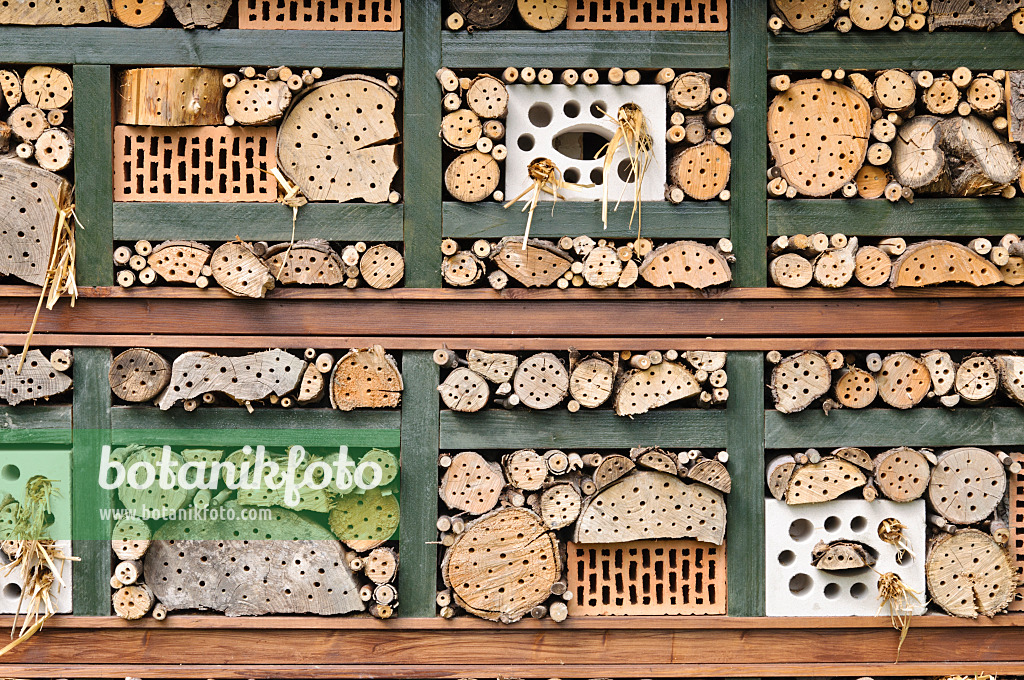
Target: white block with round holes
17,466
795,588
551,121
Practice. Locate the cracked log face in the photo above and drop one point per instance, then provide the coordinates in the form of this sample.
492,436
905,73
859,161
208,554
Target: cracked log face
818,135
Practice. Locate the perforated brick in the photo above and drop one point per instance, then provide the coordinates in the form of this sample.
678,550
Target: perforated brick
795,588
652,15
321,15
647,578
196,164
1016,521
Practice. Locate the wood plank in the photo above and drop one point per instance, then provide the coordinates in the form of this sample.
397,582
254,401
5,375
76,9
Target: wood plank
586,49
110,45
256,221
934,427
601,428
94,176
927,217
945,50
35,424
690,219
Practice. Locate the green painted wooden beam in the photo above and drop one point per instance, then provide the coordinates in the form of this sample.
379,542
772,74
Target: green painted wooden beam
91,404
933,427
691,219
94,178
587,49
557,428
745,505
158,46
748,82
257,221
977,50
421,146
992,216
418,573
35,424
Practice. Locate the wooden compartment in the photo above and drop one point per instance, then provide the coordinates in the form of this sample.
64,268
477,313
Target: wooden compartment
1015,512
662,15
321,15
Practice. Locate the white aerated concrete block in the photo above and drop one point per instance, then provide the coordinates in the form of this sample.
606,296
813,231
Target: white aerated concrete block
549,121
795,588
17,466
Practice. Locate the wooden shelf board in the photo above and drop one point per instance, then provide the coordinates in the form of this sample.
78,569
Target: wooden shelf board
933,427
27,424
500,429
585,49
257,221
694,219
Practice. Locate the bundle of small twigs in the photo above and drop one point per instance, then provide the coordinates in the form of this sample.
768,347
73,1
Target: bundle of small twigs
547,178
633,131
891,531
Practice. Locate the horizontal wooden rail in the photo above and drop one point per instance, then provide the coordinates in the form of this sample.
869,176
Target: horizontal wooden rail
25,424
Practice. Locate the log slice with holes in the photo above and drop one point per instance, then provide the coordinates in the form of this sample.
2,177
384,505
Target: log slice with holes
903,381
541,381
464,391
902,474
967,484
366,378
138,374
968,574
471,483
798,380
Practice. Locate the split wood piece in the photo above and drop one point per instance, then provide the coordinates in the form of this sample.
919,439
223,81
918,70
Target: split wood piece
803,16
798,380
497,367
560,505
858,457
382,267
968,573
364,521
47,87
985,95
986,14
798,120
464,391
1011,376
55,14
967,485
631,272
942,371
366,378
823,481
240,271
27,123
791,271
541,381
315,143
309,262
204,14
701,171
155,496
862,84
540,264
133,602
894,90
918,159
1013,271
611,468
381,565
903,381
543,15
461,129
711,472
690,91
932,262
472,176
471,483
137,13
258,102
462,269
653,458
503,565
688,262
841,555
170,96
592,381
130,538
871,15
638,391
245,378
487,97
856,388
484,13
139,374
38,378
179,260
977,379
872,267
11,87
647,504
312,387
834,268
779,471
988,162
525,469
902,474
1014,92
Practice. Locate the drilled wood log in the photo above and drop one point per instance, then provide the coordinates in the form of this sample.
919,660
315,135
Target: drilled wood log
902,474
461,129
366,378
541,381
258,102
701,171
968,574
1011,376
602,267
464,391
170,96
471,483
802,16
894,90
484,13
841,555
798,380
835,268
779,471
30,198
55,14
47,87
967,485
918,160
381,565
985,14
560,505
312,387
653,458
872,266
1014,92
138,374
985,95
179,261
592,381
27,123
791,271
309,262
133,602
977,379
205,14
38,379
823,481
690,91
497,367
245,378
240,271
858,457
942,371
856,388
711,472
137,13
130,538
871,15
903,381
688,262
611,468
639,390
461,269
918,266
541,264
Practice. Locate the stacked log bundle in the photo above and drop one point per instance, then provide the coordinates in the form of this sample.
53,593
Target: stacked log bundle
618,15
895,15
530,504
473,131
35,116
631,383
132,13
895,134
583,261
836,261
901,380
39,377
334,558
360,378
253,269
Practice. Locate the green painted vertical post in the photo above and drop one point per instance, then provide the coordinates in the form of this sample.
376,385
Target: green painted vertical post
420,423
94,176
745,436
748,79
91,419
422,149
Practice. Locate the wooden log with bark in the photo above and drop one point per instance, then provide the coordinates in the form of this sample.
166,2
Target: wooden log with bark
823,481
902,474
471,483
498,367
711,472
484,13
240,271
688,262
464,391
858,457
639,390
132,602
38,378
798,380
525,469
610,468
540,264
1011,376
779,471
903,380
253,101
918,266
986,14
206,14
840,555
139,374
966,485
179,261
968,574
988,163
977,379
308,262
541,381
1014,93
855,388
366,378
312,387
803,16
654,458
690,91
942,371
55,14
592,381
246,378
462,269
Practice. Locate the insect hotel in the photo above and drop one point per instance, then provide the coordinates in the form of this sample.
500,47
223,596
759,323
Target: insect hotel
512,339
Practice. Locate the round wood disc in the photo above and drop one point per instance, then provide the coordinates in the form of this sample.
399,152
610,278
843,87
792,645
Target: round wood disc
257,102
54,149
461,269
385,461
856,388
702,171
10,85
369,516
871,181
137,13
602,267
240,271
805,15
28,122
941,97
154,496
382,266
381,565
873,266
871,15
818,135
47,87
139,374
461,129
471,483
791,271
984,94
472,177
977,378
132,602
800,379
543,15
130,538
778,479
902,474
968,573
689,91
1013,271
560,505
487,97
591,382
917,158
967,484
895,89
484,13
903,380
834,268
541,381
464,390
525,469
